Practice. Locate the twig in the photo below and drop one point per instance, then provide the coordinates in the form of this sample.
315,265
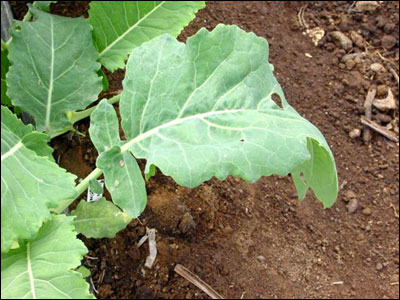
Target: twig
368,113
396,214
394,74
92,284
380,129
185,273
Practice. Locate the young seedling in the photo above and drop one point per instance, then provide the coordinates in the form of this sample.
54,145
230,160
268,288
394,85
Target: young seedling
197,110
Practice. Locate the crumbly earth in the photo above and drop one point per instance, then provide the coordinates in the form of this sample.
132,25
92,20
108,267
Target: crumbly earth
257,240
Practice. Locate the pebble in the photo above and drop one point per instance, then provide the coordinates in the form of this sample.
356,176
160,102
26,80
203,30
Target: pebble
389,28
350,64
348,196
376,67
355,133
379,266
354,56
366,211
381,90
367,5
341,40
383,118
357,39
352,206
388,41
261,258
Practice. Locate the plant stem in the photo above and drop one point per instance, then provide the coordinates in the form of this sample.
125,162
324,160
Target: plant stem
76,116
27,17
80,188
4,45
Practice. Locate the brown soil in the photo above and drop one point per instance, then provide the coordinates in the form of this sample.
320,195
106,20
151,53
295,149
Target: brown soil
257,240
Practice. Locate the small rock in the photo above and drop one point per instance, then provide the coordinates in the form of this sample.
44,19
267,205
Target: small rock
187,223
388,41
367,5
383,118
342,66
395,278
357,39
349,195
358,60
344,24
387,103
353,56
366,211
355,133
341,40
352,206
355,80
381,90
261,258
389,28
350,64
376,67
379,266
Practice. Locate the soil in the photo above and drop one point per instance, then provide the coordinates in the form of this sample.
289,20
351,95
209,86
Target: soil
257,240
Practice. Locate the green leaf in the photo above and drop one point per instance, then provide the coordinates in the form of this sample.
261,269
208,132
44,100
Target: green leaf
30,182
104,80
53,68
5,64
43,267
95,186
205,109
152,172
43,5
120,26
122,174
99,219
84,271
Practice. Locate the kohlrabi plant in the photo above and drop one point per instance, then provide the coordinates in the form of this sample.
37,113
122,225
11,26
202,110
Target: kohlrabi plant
195,111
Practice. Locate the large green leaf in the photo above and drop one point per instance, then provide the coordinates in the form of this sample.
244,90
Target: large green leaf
205,109
120,26
31,183
43,5
53,68
43,267
99,219
122,174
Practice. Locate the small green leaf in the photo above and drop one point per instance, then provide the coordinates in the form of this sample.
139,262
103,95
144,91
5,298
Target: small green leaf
43,267
104,80
5,64
95,186
84,271
152,172
122,174
43,5
120,26
99,219
123,180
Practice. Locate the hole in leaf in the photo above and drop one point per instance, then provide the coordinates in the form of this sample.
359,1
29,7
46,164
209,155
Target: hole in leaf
277,99
242,140
303,179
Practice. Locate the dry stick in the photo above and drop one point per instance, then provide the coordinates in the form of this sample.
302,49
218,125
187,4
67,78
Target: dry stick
378,128
368,113
185,273
396,77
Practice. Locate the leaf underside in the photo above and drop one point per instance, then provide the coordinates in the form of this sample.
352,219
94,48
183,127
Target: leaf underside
120,26
43,267
205,109
31,182
53,68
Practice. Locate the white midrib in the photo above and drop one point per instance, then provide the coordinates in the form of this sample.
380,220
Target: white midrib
28,259
121,37
174,122
50,91
12,150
